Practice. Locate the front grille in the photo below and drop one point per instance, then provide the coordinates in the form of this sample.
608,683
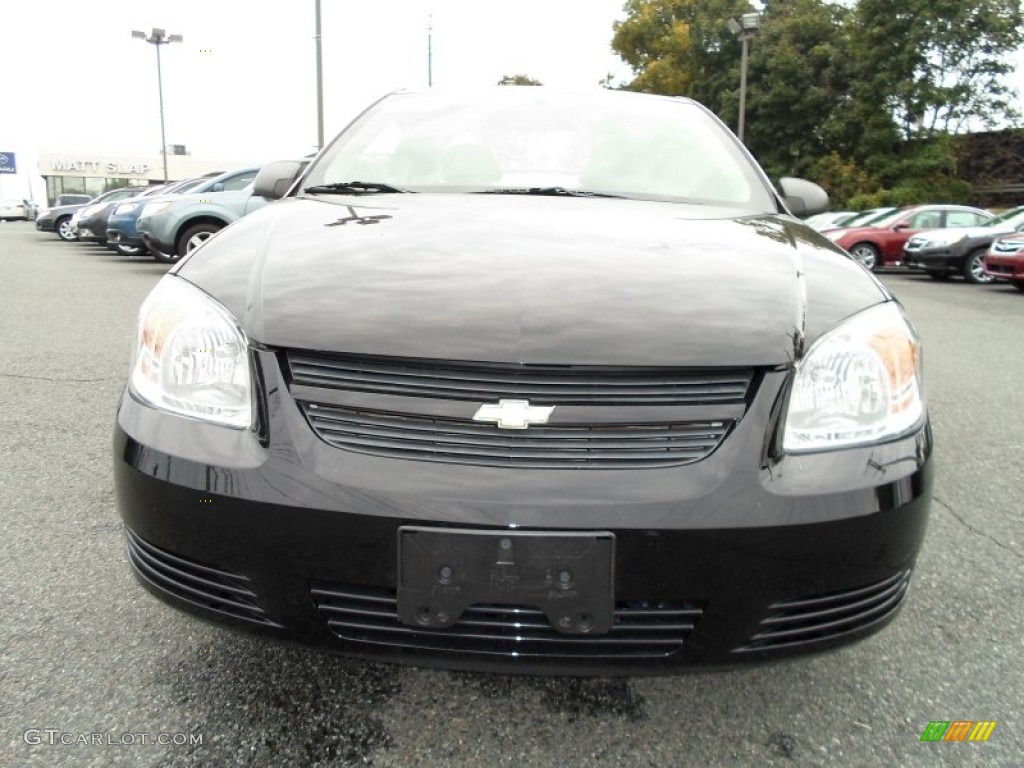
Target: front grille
824,617
1007,246
204,586
641,630
547,384
459,441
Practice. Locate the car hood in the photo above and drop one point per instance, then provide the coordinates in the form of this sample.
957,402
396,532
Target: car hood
530,280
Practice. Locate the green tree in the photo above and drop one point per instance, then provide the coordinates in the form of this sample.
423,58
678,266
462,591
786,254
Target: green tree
518,80
681,47
863,96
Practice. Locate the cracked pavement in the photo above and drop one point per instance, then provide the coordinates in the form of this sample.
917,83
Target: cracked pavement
84,649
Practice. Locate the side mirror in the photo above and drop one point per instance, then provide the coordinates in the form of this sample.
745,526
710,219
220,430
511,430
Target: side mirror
275,179
900,225
802,197
218,187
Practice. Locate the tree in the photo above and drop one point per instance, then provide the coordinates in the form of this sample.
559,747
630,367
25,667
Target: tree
519,80
681,47
865,95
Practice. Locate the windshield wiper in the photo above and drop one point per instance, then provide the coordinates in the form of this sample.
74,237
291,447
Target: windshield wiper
547,191
354,188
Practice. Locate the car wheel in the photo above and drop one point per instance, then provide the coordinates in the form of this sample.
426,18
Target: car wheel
937,275
195,236
974,267
130,250
64,231
866,254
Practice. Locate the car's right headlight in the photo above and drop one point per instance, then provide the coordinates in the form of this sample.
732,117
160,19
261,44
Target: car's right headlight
152,208
859,383
191,357
125,208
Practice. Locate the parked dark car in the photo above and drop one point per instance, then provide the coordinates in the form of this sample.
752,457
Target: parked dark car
528,380
880,244
89,223
58,219
942,253
1005,260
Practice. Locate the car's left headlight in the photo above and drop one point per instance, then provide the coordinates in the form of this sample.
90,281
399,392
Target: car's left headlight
92,210
124,208
859,383
191,357
152,208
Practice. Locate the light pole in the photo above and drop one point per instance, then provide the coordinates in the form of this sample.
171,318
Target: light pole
157,38
744,29
319,84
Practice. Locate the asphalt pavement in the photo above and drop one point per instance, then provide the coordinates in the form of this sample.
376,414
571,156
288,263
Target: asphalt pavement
88,657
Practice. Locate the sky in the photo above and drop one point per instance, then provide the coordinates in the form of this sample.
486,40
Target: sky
242,84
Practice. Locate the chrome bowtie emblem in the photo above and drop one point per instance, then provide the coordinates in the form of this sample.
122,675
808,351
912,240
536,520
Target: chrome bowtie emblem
513,414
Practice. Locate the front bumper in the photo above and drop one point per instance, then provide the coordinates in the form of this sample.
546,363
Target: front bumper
1005,267
722,562
936,260
92,229
46,224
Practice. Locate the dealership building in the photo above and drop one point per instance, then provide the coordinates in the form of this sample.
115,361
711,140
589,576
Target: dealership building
26,175
93,173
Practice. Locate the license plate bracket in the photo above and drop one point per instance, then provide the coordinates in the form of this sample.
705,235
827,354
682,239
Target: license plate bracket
567,575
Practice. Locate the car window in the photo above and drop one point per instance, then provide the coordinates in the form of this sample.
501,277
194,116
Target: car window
241,181
963,219
649,149
925,220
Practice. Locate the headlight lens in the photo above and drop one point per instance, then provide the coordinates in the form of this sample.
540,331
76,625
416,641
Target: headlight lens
125,208
859,383
191,358
152,208
835,234
93,209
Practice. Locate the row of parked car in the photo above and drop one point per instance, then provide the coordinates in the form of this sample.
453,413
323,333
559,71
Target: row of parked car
166,221
939,240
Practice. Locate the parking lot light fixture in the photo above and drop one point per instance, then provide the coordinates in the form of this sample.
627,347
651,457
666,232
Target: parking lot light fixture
744,29
158,37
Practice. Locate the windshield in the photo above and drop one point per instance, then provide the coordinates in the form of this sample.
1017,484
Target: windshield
868,218
1012,217
887,219
529,140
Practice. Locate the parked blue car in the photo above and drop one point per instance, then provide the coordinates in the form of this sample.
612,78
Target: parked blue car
122,227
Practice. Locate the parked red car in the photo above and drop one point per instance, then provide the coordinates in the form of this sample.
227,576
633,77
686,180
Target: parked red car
1005,260
881,244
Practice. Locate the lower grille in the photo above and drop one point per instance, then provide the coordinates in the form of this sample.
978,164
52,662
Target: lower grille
201,585
824,617
456,441
1003,269
641,630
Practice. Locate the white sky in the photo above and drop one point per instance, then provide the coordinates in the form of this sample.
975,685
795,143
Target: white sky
242,85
